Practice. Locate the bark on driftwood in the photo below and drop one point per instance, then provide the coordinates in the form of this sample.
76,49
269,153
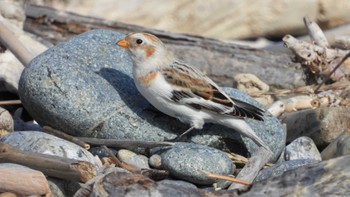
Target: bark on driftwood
220,60
68,169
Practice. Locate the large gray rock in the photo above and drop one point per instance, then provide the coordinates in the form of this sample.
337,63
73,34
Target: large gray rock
327,178
84,87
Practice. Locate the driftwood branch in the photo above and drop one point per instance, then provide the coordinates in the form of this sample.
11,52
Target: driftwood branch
252,168
127,144
220,60
22,180
9,40
54,166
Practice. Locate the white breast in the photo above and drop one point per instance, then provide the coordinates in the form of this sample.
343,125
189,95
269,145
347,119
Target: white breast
159,93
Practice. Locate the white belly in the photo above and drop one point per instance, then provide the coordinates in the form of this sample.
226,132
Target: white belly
159,94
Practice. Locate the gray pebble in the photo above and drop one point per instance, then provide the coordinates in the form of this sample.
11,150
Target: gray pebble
134,159
155,161
189,161
302,148
280,168
39,142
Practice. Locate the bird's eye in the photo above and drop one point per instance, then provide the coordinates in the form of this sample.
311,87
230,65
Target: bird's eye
139,41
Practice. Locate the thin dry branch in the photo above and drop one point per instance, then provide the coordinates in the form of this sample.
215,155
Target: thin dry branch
11,102
65,136
227,178
127,144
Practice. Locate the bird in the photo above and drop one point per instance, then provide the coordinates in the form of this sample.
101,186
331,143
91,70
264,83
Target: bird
183,91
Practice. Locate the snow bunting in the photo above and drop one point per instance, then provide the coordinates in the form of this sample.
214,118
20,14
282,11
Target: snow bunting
182,91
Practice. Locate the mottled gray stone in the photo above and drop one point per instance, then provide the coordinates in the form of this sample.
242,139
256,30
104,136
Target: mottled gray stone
84,87
134,159
189,161
302,148
39,142
280,168
326,178
180,183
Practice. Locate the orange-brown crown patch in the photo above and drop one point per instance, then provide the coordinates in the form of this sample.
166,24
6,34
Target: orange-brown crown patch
152,37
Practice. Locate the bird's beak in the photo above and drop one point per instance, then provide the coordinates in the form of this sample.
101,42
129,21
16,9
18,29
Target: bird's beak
123,43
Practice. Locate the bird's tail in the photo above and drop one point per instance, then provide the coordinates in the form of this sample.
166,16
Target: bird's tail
242,127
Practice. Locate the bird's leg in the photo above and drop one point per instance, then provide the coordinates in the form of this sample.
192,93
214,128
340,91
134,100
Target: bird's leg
178,138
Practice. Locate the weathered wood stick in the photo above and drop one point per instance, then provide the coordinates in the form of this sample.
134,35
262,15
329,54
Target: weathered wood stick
220,60
252,168
115,143
22,180
316,33
65,136
11,102
10,41
67,169
228,178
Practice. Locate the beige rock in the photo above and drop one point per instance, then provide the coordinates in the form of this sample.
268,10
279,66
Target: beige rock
6,122
323,125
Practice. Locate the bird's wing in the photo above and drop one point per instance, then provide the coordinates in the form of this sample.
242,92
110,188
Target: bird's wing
193,88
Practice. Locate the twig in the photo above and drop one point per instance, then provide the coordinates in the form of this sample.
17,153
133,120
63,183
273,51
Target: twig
316,33
11,102
127,144
10,41
239,159
65,136
227,178
120,163
330,74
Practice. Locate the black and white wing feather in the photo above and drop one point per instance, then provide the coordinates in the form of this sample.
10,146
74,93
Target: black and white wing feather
195,89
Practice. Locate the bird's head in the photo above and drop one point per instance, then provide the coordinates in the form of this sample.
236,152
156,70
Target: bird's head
146,49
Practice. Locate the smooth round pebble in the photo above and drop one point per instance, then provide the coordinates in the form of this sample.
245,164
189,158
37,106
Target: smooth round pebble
155,161
134,159
188,161
39,142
